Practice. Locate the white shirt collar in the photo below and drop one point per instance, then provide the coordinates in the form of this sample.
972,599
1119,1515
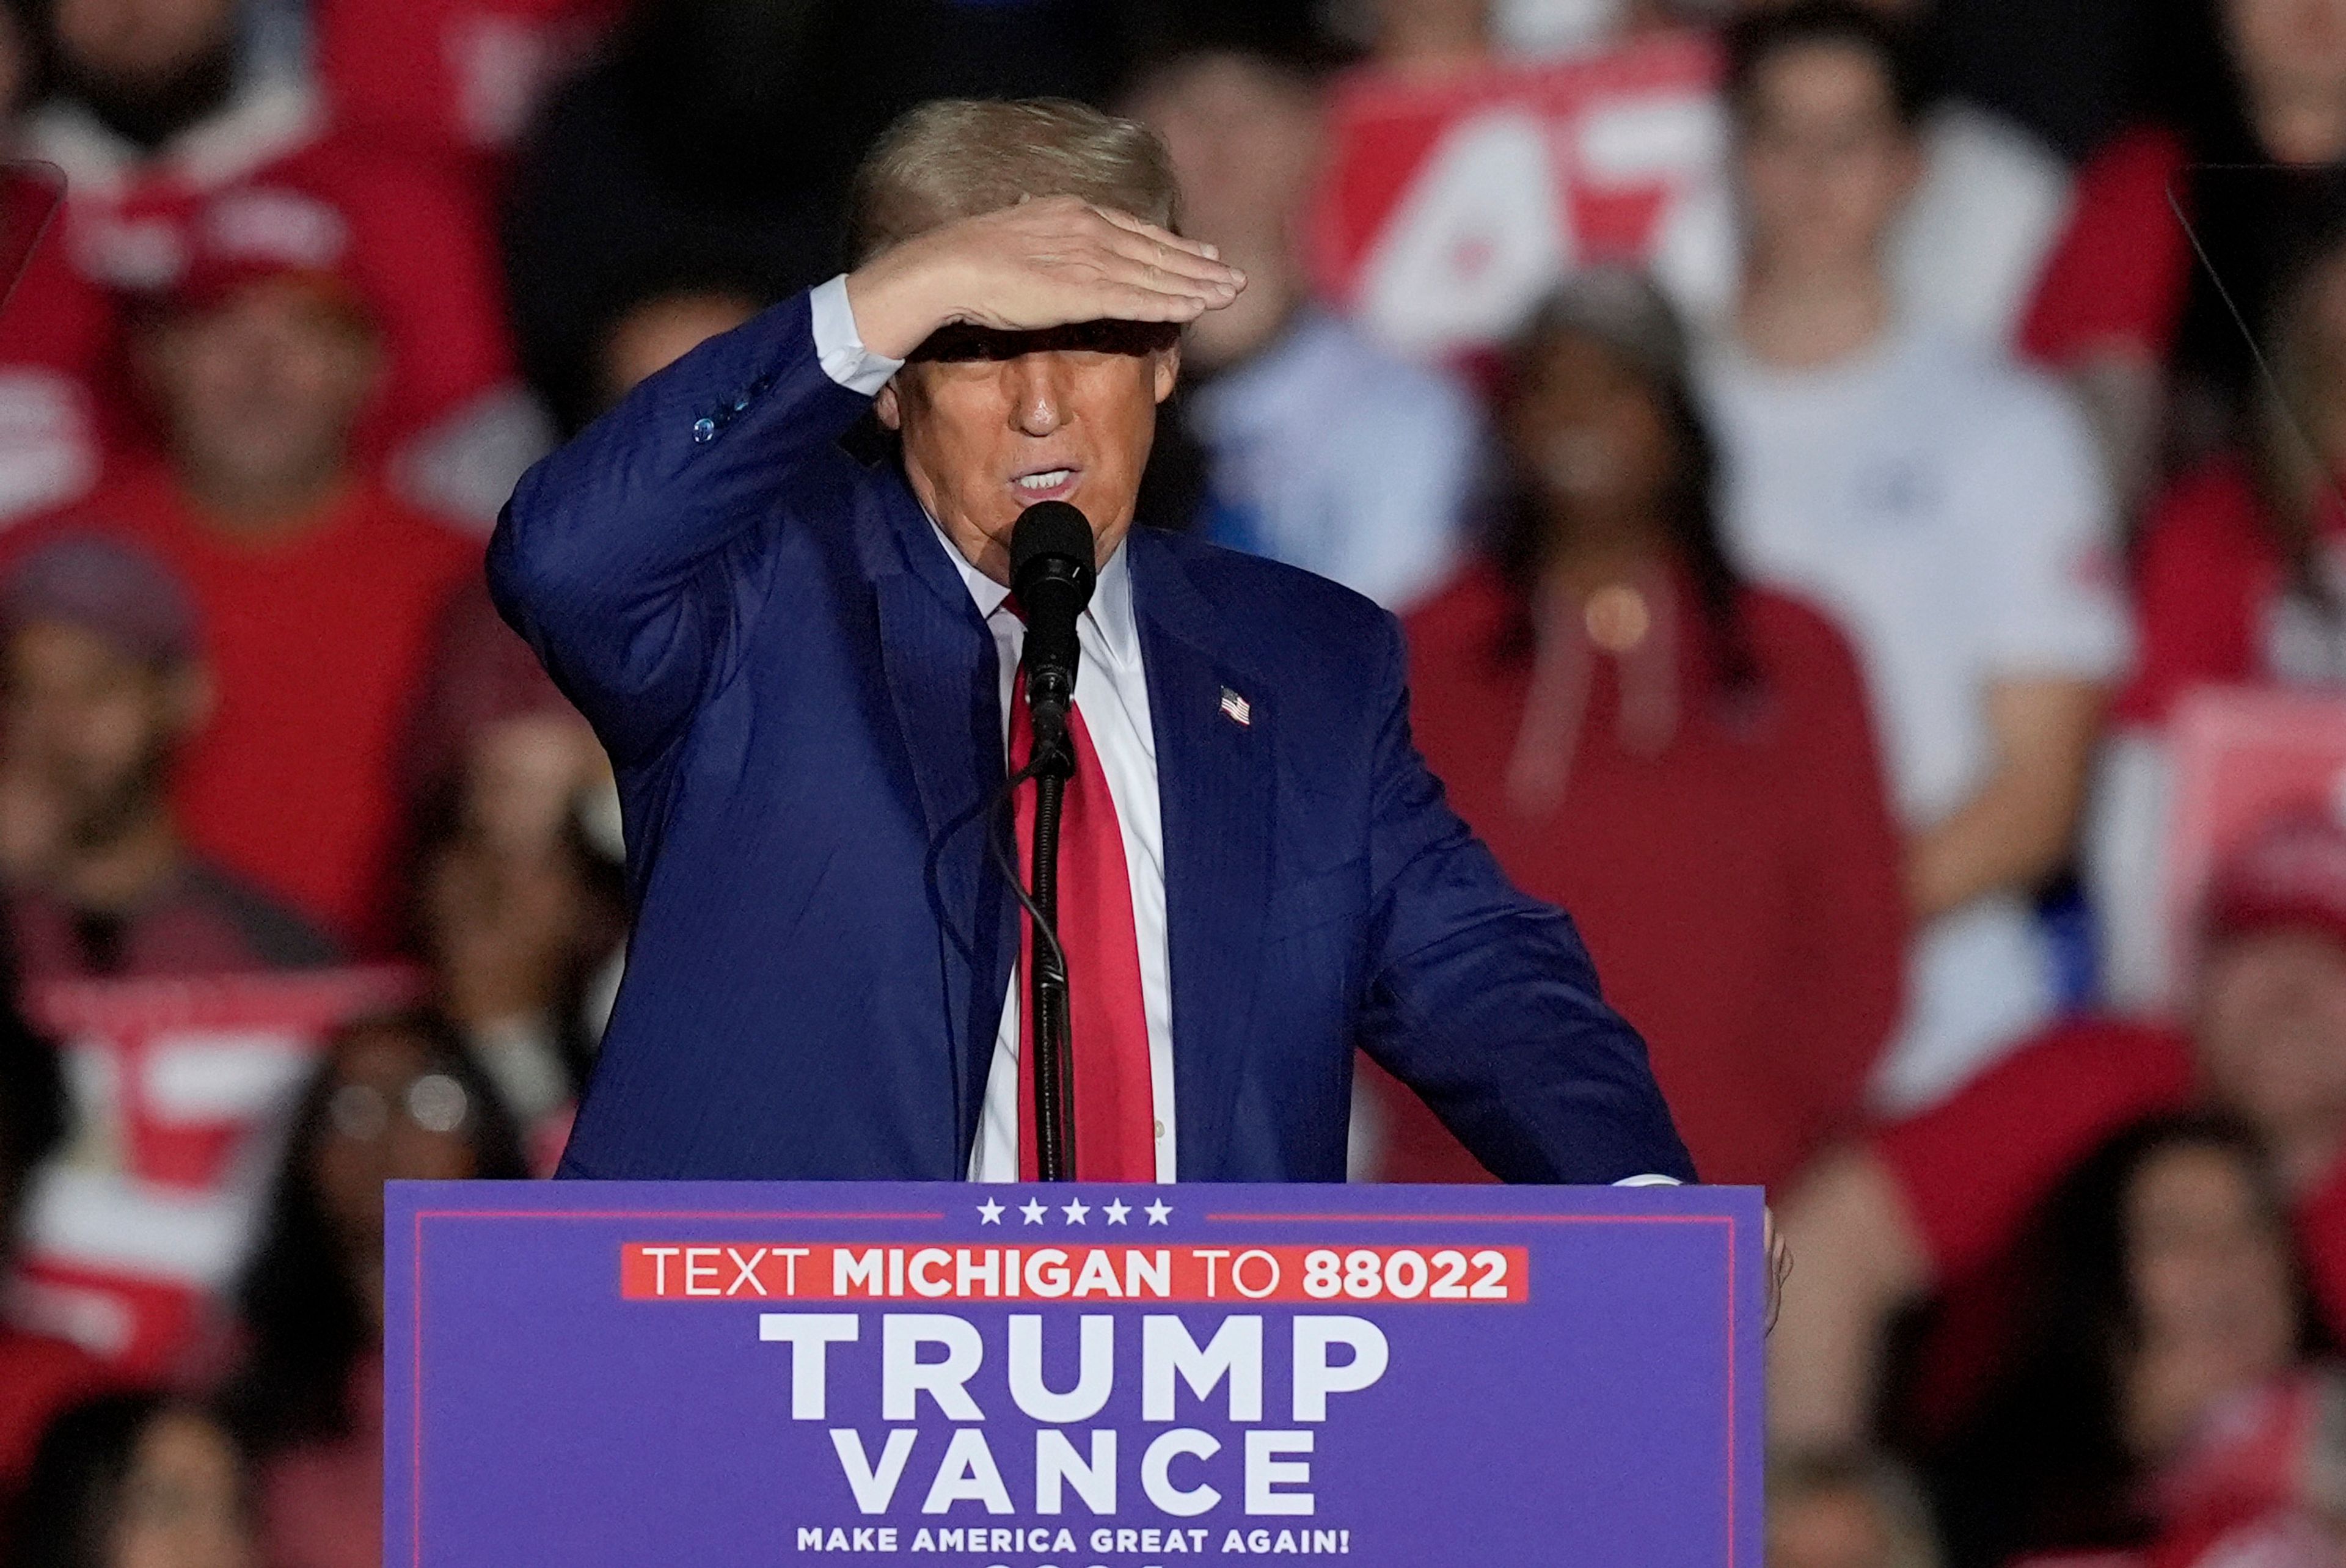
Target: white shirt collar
1110,611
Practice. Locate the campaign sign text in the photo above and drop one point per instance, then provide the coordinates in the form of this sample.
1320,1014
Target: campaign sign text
603,1373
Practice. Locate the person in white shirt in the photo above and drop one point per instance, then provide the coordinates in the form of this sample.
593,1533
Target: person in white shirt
1966,248
1322,449
1944,504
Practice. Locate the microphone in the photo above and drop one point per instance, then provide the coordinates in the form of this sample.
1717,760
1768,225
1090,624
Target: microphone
1052,572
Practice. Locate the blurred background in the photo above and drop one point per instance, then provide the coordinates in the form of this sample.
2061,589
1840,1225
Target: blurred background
1861,479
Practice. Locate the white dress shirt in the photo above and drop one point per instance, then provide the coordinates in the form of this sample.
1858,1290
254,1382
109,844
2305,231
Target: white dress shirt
1112,694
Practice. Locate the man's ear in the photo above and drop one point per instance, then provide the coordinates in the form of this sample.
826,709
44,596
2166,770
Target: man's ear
1166,369
890,412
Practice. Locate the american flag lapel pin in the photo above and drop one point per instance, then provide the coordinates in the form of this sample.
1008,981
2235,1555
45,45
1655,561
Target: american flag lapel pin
1236,708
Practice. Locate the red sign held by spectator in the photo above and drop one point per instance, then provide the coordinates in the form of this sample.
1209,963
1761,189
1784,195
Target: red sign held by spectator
1450,207
176,1085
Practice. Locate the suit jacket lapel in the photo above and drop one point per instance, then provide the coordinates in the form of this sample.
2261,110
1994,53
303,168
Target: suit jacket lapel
942,685
1215,782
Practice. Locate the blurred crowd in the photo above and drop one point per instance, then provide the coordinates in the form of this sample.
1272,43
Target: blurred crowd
1861,479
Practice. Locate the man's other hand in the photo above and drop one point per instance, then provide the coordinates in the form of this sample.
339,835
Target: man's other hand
1042,263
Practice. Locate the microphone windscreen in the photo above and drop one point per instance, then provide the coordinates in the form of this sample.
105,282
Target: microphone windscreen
1050,528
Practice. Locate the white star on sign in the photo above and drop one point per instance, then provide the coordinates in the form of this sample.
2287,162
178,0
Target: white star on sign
989,1212
1033,1210
1116,1211
1157,1212
1074,1210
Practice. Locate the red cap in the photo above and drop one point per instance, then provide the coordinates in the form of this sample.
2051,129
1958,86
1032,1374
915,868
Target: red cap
2293,873
259,234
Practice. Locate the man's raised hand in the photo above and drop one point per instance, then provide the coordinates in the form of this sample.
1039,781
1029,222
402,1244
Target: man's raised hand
1042,263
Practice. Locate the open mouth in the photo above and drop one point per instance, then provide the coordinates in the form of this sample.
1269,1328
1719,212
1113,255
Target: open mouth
1046,484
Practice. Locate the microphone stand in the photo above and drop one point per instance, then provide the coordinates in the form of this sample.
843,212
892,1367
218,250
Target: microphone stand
1052,551
1053,764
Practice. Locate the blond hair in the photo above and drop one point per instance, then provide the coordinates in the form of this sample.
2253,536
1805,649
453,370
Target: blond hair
957,157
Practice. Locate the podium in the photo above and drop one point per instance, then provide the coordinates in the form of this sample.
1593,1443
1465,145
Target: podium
726,1375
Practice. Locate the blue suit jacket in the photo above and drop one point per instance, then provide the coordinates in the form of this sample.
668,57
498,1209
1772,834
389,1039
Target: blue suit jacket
801,701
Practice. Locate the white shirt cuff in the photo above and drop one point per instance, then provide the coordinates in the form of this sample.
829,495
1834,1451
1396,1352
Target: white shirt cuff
1649,1180
841,348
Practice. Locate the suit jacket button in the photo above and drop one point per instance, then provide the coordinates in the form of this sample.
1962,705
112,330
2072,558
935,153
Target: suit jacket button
704,429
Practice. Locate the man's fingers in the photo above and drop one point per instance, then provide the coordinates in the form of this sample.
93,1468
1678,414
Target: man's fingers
1176,263
1191,259
1051,298
1147,230
1144,274
1125,301
1145,305
1060,260
1132,303
1123,249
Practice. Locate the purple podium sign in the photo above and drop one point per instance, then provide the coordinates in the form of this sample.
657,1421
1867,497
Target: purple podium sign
727,1375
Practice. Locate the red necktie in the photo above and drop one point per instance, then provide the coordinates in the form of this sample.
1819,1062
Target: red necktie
1116,1116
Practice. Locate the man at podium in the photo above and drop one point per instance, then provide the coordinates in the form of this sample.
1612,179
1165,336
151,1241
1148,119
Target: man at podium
804,667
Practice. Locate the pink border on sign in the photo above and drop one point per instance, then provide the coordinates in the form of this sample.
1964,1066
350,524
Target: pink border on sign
416,1470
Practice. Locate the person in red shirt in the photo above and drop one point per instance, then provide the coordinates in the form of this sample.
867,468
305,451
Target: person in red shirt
158,107
2160,1293
2240,580
1936,1205
40,1374
454,82
317,587
100,687
2154,318
1683,761
2241,559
